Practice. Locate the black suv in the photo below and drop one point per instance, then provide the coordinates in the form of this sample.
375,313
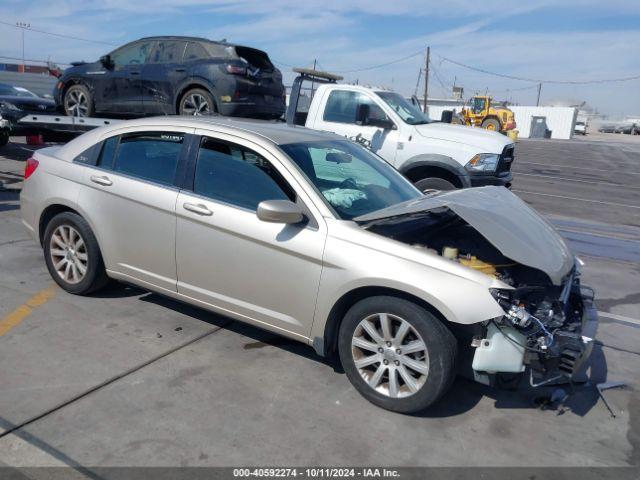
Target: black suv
169,75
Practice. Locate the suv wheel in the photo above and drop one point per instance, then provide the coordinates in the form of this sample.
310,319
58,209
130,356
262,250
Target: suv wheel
398,355
72,254
426,185
78,101
196,101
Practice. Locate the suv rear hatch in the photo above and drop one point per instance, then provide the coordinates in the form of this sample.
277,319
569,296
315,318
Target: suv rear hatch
261,76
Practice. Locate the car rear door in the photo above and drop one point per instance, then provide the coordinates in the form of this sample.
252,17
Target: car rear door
264,273
130,197
163,71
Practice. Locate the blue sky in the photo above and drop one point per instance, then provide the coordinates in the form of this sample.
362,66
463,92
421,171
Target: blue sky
564,40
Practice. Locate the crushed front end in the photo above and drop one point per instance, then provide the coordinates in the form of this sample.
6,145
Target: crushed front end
546,329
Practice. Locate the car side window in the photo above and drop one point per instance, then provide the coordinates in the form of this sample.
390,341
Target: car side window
150,156
194,51
342,106
238,176
109,146
167,51
135,54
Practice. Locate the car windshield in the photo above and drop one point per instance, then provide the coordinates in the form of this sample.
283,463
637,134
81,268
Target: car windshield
11,91
352,180
408,112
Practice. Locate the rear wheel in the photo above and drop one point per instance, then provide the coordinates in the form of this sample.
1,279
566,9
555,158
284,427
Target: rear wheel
491,124
78,101
397,354
427,185
196,101
72,254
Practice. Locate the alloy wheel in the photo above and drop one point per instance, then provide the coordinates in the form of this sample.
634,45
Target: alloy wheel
390,355
196,104
77,103
68,254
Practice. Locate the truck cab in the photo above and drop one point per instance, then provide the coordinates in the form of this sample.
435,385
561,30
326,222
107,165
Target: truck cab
433,155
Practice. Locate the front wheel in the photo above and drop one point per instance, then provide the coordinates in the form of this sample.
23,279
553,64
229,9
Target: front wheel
72,254
427,185
397,354
78,101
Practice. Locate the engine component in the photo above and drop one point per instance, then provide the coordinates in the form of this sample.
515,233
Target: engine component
502,350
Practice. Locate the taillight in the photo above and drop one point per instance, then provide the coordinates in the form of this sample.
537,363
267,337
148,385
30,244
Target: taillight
236,70
30,167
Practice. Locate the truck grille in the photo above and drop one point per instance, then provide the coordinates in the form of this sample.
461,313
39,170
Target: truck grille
506,159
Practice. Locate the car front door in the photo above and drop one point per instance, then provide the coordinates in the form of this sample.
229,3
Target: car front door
125,81
163,71
130,194
264,273
339,116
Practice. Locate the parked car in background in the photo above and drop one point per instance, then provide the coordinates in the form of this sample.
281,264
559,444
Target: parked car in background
433,155
607,128
16,102
629,129
314,237
580,128
169,75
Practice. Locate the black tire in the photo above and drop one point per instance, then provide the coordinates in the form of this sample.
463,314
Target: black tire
78,95
491,124
186,106
4,138
434,183
95,276
441,347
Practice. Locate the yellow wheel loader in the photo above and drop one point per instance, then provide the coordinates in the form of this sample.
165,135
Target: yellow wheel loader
481,113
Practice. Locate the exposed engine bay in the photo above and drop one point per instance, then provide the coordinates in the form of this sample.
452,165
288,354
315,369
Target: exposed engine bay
547,327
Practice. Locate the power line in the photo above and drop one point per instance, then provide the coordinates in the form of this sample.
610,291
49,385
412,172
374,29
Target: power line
380,65
537,80
59,34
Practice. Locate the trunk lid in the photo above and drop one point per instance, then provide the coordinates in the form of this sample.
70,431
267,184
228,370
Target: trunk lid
508,223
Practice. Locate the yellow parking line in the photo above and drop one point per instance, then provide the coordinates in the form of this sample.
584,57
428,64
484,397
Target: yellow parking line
14,318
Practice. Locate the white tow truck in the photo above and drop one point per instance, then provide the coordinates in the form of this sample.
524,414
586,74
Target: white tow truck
434,155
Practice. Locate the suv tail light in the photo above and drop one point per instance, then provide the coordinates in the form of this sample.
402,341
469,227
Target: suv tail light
236,69
30,167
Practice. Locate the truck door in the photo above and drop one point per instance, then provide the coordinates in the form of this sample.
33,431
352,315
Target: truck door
338,114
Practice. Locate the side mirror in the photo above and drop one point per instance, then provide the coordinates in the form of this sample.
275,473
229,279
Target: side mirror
106,61
279,211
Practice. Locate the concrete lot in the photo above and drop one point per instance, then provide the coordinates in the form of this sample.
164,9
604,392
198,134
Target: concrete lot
127,377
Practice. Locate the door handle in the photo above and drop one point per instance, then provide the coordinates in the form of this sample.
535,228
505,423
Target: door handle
134,73
197,208
101,180
180,70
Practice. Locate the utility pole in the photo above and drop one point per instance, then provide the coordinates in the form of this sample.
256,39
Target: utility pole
23,26
538,100
426,80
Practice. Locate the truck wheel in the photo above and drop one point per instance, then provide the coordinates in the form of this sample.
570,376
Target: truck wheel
429,184
491,124
397,354
196,101
4,138
78,101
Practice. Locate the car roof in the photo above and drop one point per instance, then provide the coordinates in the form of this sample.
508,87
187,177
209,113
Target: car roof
278,133
182,37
